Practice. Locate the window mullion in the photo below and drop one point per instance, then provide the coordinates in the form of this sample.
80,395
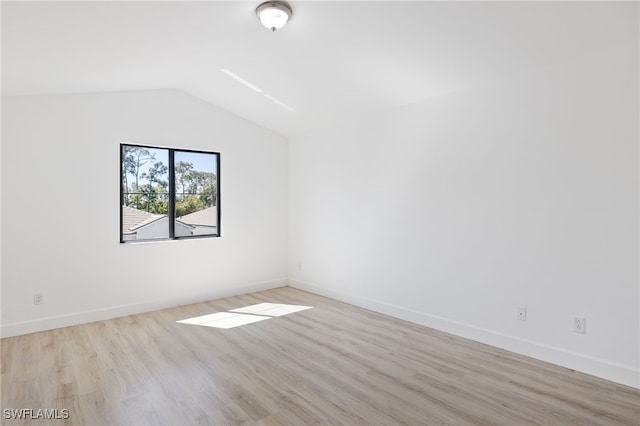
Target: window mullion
172,196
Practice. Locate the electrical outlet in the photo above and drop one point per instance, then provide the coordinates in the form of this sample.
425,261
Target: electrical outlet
299,266
579,325
522,313
37,298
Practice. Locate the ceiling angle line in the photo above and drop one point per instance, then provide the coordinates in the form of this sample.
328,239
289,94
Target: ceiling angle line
241,80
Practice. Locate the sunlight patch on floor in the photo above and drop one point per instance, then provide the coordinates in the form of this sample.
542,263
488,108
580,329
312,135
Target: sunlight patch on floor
224,320
271,309
246,315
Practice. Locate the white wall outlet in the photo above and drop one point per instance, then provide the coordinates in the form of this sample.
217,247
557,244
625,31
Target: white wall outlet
37,298
522,313
299,266
579,325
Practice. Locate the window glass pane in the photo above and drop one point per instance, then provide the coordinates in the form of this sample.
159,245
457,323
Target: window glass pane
145,193
196,178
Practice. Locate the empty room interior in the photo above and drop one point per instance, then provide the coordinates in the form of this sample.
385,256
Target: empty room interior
320,212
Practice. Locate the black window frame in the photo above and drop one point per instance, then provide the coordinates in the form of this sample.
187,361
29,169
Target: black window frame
171,214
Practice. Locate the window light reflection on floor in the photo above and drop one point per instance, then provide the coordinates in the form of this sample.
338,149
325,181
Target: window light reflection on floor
224,320
271,309
246,315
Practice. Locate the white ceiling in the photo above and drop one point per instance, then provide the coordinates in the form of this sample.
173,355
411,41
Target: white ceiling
334,59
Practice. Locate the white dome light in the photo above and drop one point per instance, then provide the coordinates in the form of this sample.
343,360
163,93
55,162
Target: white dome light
274,14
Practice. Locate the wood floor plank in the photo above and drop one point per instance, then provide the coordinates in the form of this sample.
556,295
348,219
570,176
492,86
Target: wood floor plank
332,364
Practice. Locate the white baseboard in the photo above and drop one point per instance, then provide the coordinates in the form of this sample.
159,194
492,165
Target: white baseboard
614,372
50,323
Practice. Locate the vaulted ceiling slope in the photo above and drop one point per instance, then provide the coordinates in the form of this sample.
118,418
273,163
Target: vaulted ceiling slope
332,60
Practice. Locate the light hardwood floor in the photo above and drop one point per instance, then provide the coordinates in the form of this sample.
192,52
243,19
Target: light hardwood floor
333,364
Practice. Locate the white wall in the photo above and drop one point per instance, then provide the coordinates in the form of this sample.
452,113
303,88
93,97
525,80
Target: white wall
60,211
454,211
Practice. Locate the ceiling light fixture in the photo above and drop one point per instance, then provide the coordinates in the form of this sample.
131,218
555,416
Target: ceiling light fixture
274,14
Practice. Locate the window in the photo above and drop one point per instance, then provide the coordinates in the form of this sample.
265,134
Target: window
168,193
